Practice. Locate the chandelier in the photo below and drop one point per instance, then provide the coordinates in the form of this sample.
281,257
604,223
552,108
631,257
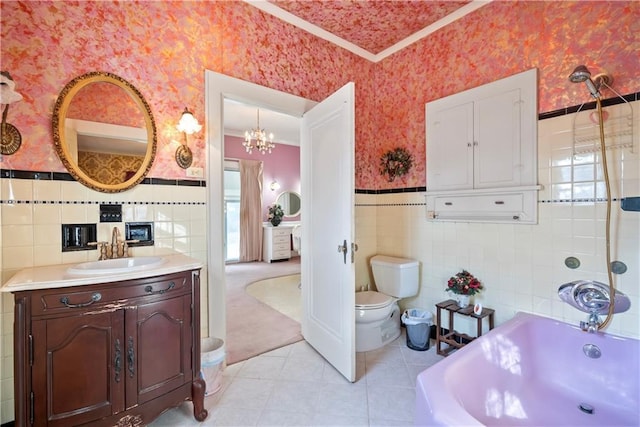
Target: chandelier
257,138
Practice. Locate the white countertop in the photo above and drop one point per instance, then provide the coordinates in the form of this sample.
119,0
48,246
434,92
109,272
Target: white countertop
56,276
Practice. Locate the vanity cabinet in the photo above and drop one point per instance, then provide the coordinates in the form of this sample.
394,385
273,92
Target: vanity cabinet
115,353
276,243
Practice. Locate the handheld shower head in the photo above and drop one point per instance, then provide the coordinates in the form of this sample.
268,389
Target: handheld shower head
582,74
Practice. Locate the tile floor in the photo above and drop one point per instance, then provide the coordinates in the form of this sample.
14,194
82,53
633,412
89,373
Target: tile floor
295,386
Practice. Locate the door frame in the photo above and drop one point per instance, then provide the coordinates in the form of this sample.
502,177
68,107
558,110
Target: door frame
217,88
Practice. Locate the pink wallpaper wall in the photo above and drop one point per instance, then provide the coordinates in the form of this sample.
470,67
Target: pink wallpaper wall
283,166
496,41
163,48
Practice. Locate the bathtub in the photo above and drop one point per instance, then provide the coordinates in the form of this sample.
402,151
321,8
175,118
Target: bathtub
534,371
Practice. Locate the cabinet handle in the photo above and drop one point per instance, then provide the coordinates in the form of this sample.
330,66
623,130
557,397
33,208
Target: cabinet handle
117,361
499,202
149,289
131,358
448,203
95,297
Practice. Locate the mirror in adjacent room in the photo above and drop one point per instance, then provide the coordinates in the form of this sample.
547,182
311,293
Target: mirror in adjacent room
104,132
290,202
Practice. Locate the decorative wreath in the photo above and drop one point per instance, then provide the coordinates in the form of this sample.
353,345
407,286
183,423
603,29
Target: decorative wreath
396,162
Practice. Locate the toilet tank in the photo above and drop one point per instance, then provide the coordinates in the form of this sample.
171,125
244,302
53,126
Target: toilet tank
397,277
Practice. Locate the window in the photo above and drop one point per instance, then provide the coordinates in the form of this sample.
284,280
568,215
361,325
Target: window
231,211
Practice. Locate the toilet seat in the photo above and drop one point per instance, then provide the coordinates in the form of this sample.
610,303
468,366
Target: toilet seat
370,300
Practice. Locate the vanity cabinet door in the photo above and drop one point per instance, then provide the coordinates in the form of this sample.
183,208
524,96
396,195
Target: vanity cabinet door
77,368
160,333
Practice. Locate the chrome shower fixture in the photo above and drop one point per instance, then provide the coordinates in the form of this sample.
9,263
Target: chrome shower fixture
592,297
582,74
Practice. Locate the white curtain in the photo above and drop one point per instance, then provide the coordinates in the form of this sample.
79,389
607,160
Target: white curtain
250,210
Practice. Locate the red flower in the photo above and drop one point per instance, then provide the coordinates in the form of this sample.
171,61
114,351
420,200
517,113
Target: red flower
464,283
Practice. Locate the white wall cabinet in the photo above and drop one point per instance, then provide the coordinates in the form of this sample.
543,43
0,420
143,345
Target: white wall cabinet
483,139
276,242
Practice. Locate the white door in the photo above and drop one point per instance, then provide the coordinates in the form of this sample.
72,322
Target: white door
328,273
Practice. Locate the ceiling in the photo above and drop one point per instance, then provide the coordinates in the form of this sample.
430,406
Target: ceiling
372,29
374,25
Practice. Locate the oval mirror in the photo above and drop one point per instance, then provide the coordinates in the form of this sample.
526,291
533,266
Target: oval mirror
104,132
290,202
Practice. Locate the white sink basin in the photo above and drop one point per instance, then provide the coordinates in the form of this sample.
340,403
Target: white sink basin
119,265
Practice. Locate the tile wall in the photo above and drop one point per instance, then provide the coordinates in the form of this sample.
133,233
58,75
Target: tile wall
522,266
31,214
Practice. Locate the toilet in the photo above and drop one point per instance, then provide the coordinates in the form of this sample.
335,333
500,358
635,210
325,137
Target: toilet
378,313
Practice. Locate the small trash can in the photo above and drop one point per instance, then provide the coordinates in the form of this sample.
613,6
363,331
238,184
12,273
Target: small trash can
418,323
211,362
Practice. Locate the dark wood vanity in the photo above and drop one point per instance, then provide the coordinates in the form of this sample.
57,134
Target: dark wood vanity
108,354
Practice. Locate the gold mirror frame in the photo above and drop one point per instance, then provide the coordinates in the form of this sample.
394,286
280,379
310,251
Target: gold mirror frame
60,113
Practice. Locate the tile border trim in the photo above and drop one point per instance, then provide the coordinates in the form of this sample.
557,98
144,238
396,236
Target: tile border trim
90,202
63,176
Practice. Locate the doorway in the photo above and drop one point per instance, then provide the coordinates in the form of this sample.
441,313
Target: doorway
256,323
219,88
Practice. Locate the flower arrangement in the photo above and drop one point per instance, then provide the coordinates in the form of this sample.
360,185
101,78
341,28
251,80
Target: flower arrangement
464,283
275,214
396,162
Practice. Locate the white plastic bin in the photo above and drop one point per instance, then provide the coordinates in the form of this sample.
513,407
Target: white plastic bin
418,323
211,362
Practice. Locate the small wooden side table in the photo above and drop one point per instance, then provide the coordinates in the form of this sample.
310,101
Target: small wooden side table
453,339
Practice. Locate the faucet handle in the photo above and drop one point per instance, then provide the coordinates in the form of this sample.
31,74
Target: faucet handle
102,247
125,247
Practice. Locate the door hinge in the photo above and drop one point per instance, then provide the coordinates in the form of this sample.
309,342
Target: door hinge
354,249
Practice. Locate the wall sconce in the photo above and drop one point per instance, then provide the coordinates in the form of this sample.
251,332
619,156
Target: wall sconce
11,138
188,125
274,185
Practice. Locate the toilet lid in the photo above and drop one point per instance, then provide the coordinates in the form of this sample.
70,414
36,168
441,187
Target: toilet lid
372,299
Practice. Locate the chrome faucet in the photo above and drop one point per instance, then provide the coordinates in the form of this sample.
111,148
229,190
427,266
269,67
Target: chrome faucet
592,324
593,298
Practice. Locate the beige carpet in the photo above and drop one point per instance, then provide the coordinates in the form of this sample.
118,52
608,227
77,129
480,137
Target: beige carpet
280,293
254,327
